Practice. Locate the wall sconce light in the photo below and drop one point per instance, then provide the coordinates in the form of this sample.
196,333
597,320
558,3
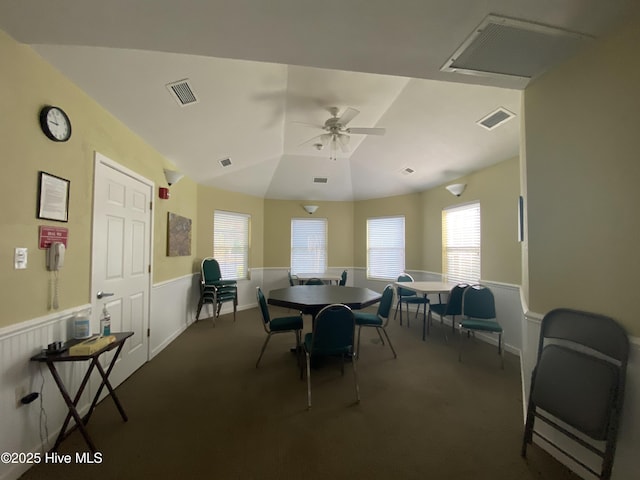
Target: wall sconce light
172,176
310,209
456,189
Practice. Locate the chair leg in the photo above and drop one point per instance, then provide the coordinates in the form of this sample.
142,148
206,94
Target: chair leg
355,377
200,302
384,330
460,349
358,342
264,347
299,350
396,314
381,339
308,380
408,317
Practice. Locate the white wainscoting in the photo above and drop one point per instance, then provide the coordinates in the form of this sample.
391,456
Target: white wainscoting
625,465
173,307
20,427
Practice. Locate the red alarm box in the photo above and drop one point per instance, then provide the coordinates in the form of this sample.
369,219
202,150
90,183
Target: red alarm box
164,193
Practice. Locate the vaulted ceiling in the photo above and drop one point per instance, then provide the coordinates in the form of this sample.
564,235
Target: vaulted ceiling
265,73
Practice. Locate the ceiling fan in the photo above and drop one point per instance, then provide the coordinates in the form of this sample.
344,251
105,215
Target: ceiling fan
337,133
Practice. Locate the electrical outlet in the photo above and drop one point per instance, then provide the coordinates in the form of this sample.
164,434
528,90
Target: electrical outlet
21,391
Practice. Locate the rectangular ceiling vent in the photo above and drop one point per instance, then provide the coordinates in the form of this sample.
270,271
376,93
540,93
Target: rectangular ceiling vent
496,118
320,179
225,162
182,92
408,171
502,46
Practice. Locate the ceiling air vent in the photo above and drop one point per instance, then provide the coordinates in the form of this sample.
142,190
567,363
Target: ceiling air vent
320,179
225,162
408,171
182,92
496,118
514,48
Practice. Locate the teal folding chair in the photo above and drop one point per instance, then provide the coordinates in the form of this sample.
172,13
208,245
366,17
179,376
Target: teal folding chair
214,290
314,281
273,326
409,297
479,315
378,320
451,308
343,279
333,335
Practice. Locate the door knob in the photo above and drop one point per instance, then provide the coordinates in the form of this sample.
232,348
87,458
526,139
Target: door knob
101,294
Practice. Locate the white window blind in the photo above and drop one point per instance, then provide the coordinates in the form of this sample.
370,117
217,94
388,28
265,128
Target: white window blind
231,244
461,243
385,247
308,245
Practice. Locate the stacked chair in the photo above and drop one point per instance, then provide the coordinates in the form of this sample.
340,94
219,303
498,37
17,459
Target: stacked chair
214,290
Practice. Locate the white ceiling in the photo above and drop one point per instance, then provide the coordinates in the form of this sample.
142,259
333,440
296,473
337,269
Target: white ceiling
261,70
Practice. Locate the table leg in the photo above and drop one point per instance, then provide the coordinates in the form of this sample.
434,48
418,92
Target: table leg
425,322
71,405
105,382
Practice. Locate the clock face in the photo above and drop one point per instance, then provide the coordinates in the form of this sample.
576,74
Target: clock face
55,124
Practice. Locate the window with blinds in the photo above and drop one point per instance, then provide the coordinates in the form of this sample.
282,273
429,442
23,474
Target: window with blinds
385,247
308,245
461,243
231,244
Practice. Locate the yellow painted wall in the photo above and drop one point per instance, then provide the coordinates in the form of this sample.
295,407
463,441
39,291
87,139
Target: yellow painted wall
26,84
583,169
277,230
408,205
497,189
212,199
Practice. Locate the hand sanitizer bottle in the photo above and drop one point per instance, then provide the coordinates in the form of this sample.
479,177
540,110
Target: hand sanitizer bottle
105,322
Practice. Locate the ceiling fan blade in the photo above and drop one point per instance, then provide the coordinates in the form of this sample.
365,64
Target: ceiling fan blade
367,131
305,124
348,115
311,140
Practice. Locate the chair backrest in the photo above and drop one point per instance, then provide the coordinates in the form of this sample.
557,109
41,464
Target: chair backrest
580,374
264,309
385,302
403,292
343,279
333,330
291,282
314,281
210,269
454,303
597,332
478,302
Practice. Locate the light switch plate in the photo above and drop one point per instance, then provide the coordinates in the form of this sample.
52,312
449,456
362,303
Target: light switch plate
20,258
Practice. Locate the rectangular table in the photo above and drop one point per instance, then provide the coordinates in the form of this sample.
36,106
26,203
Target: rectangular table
425,288
51,359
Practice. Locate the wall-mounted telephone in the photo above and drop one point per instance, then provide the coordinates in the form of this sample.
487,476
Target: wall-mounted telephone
55,256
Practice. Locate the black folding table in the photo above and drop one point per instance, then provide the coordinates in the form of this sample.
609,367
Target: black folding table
51,359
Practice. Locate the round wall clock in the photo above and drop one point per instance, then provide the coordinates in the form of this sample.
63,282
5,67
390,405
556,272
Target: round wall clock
55,123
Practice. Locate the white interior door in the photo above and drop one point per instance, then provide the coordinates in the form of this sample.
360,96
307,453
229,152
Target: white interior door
121,260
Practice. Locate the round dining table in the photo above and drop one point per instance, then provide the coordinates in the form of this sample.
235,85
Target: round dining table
310,299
